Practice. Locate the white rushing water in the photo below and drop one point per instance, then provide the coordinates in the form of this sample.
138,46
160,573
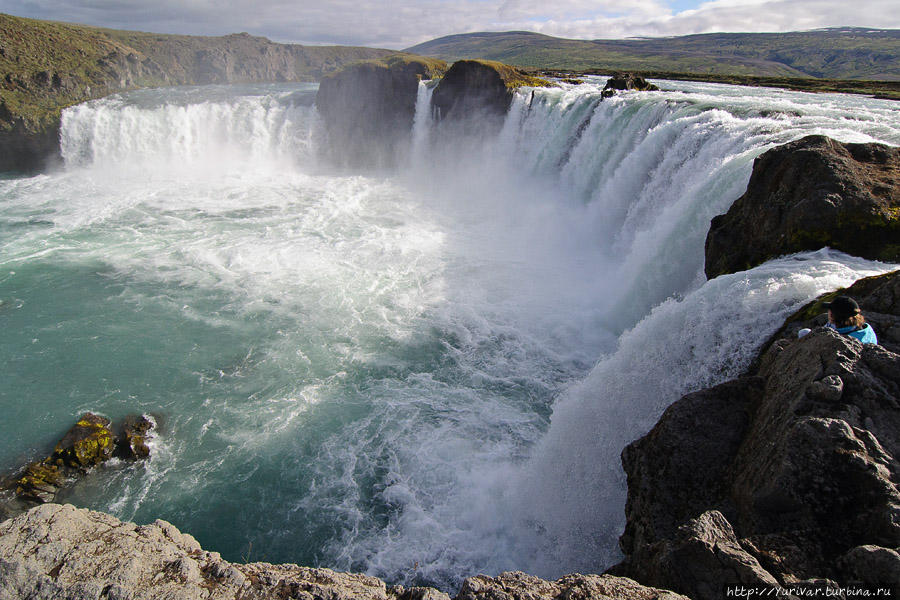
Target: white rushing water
421,374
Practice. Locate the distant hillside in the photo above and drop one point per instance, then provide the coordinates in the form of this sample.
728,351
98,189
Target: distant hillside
46,66
845,53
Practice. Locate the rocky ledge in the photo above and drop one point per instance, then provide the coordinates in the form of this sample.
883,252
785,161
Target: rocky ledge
61,552
807,194
786,478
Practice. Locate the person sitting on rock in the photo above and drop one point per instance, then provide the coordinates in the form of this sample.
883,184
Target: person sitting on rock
845,317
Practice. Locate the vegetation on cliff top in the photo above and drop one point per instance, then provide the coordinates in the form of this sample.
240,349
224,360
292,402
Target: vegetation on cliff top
434,67
514,77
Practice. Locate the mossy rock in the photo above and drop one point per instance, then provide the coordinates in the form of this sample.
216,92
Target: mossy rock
39,481
87,444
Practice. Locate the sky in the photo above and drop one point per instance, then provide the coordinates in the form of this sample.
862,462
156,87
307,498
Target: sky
399,24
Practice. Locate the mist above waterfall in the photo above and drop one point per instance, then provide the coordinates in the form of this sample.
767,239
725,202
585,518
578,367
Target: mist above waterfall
420,373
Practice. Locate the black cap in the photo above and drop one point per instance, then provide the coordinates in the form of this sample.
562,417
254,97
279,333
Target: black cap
842,307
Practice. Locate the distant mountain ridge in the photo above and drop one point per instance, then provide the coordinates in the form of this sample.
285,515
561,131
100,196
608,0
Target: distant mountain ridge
834,53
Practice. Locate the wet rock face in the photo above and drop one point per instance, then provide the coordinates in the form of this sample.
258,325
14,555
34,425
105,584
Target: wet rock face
472,86
475,95
368,109
55,551
808,194
785,477
132,441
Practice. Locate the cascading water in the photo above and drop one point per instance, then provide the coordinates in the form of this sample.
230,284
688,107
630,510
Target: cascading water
420,375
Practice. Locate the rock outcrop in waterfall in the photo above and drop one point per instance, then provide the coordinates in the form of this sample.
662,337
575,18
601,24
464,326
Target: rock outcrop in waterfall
368,108
808,194
46,66
475,94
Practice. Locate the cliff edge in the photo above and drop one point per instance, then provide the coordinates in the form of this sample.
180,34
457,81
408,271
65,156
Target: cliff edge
59,551
786,478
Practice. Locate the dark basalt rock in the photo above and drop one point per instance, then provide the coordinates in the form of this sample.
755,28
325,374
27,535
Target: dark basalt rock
787,476
475,94
626,81
808,194
368,108
131,443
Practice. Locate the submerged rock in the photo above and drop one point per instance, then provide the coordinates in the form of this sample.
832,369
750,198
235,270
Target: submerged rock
56,551
785,477
808,194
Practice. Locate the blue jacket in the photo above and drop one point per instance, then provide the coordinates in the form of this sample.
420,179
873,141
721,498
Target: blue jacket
866,335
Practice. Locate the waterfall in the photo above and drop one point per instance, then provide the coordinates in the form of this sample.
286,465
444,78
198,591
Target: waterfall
179,131
421,374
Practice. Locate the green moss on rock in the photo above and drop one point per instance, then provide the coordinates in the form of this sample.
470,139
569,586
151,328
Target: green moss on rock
88,443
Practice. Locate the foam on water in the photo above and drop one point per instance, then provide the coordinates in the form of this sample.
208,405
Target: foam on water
420,376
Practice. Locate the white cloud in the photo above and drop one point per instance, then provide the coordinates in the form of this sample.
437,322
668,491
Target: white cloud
402,23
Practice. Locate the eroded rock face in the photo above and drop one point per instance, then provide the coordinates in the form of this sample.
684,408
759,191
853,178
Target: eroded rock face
476,94
55,551
786,477
808,194
368,108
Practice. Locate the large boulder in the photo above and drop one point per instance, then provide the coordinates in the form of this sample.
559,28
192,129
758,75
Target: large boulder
56,551
785,477
626,81
368,108
808,194
476,94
